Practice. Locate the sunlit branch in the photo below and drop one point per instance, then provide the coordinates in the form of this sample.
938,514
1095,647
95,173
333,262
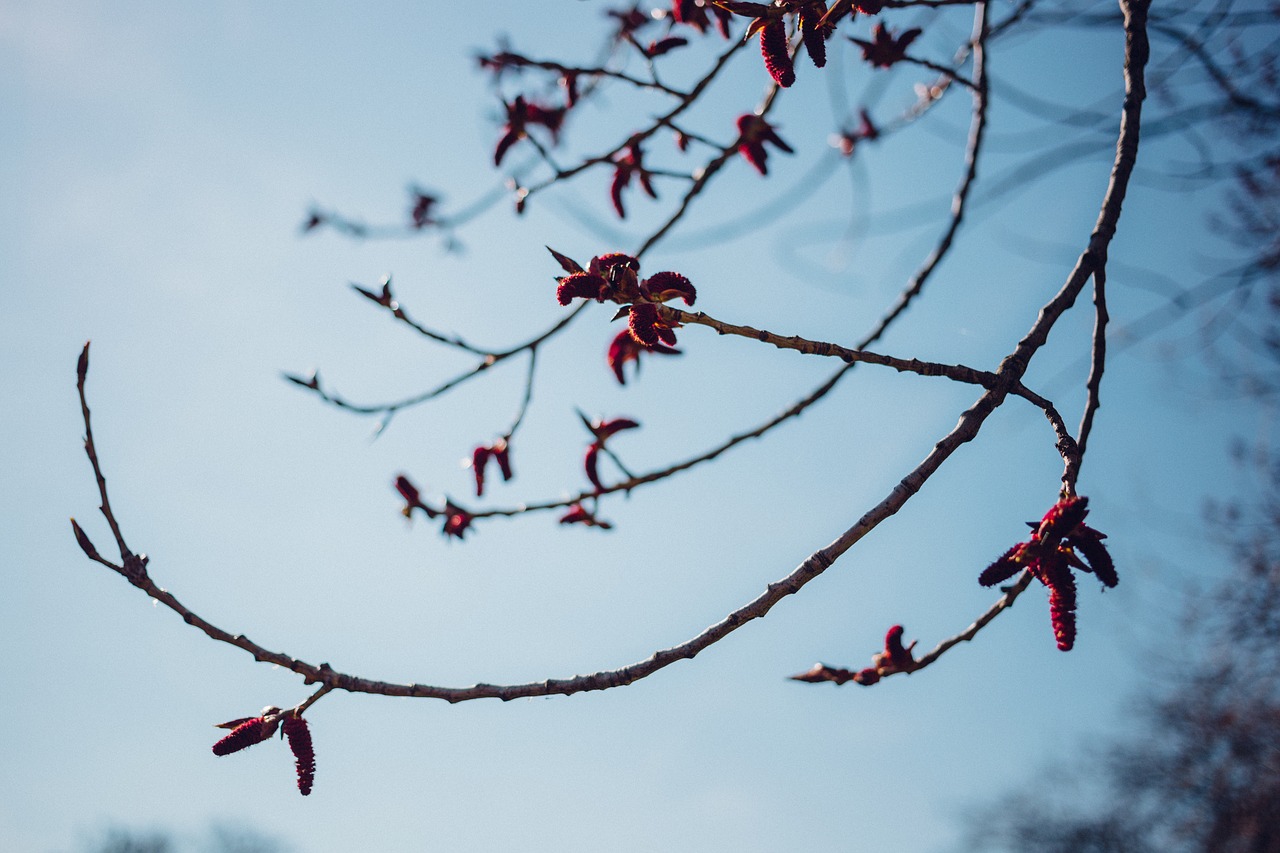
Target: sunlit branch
956,372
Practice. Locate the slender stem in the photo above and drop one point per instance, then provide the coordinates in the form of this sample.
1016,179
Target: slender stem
1006,601
1097,365
314,385
82,369
528,392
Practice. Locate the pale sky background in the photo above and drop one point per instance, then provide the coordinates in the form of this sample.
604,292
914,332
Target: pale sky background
156,160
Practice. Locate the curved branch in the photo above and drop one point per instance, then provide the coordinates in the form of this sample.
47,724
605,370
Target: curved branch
1011,370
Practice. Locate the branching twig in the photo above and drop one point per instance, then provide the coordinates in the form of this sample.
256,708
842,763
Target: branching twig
314,385
1006,601
1011,370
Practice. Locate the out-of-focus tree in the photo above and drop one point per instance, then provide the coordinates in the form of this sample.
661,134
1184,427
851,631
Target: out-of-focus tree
219,839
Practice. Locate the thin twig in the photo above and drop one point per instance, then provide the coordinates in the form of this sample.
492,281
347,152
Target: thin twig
1097,365
1006,601
314,385
82,369
528,392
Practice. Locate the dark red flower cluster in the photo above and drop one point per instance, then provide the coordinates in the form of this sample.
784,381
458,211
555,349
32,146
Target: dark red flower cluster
814,24
610,277
499,452
601,431
578,514
753,133
777,52
304,754
615,278
1057,544
247,731
625,348
628,165
646,325
886,49
521,115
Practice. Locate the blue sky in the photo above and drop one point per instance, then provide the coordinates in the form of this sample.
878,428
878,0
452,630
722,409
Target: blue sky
158,159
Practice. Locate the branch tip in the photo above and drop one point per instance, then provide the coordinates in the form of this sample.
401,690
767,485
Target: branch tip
83,541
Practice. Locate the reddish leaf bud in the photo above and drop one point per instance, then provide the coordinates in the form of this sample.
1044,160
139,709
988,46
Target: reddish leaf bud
479,458
753,132
578,514
867,677
412,499
502,455
456,520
